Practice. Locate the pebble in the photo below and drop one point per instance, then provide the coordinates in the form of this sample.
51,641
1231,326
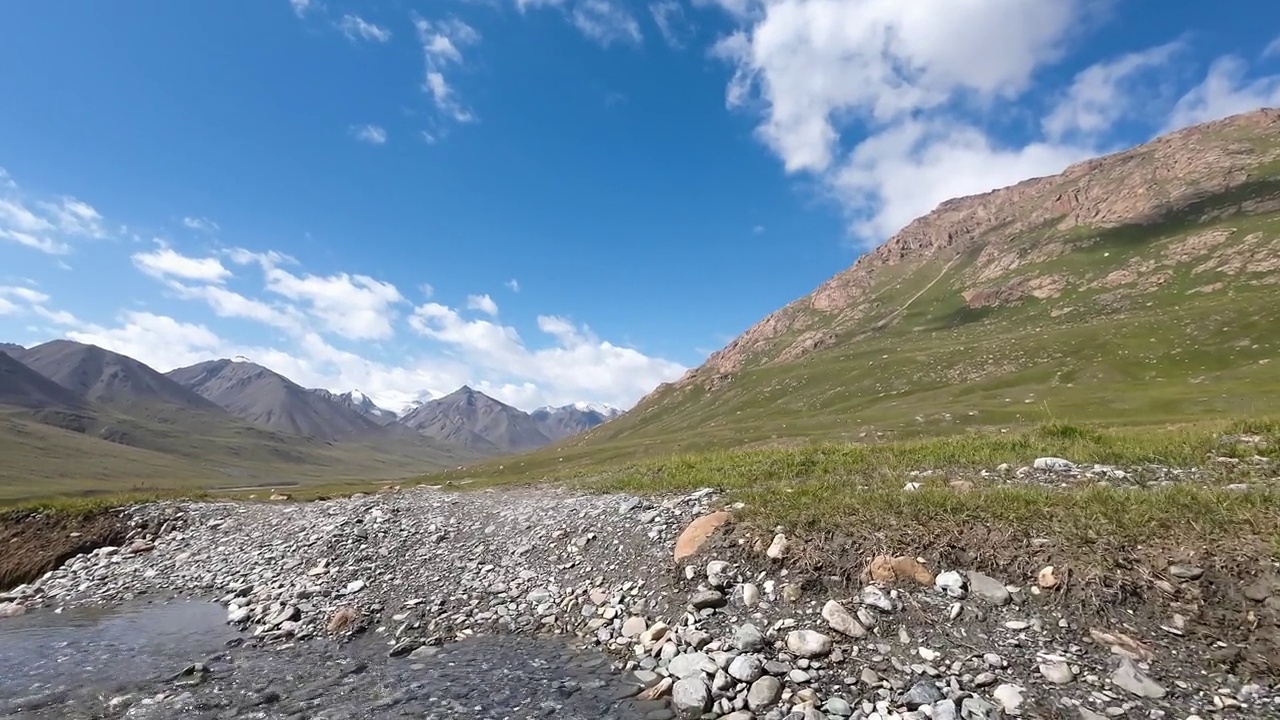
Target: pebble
808,643
841,621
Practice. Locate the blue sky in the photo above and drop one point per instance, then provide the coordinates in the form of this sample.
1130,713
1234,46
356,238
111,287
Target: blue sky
550,200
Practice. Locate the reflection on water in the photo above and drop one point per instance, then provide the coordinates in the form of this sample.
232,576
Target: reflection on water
44,650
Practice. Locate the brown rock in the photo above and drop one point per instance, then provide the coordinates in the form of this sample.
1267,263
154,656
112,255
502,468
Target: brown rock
1047,578
343,620
697,533
888,570
1122,645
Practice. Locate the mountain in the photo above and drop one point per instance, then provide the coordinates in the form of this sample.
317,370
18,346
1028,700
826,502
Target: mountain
359,402
474,420
561,422
1137,287
11,349
20,386
268,399
110,379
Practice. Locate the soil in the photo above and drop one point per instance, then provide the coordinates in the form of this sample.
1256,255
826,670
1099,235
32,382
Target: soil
34,543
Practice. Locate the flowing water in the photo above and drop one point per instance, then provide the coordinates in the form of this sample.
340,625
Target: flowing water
180,660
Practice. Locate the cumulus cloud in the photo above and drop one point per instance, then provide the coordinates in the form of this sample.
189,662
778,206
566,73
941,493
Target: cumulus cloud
1226,90
1105,92
483,303
372,134
164,263
356,28
356,307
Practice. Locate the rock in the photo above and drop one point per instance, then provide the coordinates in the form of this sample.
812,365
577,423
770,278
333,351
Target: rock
764,693
1122,645
235,615
841,621
876,598
653,634
1057,672
1054,464
1047,579
284,615
1186,572
634,626
342,620
869,677
746,668
704,599
750,595
837,706
961,486
139,546
952,583
657,691
808,643
985,679
748,638
739,715
691,696
886,569
987,588
1129,677
11,609
778,548
798,676
975,708
697,532
691,665
404,648
1009,696
923,692
791,592
353,587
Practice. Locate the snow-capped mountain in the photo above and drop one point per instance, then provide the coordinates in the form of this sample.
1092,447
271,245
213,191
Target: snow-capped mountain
361,403
561,422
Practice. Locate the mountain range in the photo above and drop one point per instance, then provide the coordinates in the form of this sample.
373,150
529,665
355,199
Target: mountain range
239,420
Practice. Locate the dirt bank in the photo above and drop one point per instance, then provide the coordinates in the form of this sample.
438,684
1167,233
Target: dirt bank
33,543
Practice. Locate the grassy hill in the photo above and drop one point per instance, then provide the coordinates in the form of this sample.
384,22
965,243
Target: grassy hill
1139,289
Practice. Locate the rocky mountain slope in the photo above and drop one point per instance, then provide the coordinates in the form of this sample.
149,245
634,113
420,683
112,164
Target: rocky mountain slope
473,420
266,398
20,386
1146,282
558,423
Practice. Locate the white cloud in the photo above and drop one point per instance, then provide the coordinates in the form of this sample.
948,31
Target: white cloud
1226,90
427,290
267,259
356,307
513,285
301,7
8,308
165,263
372,134
669,16
16,216
441,41
1272,49
26,294
356,28
36,242
159,341
43,227
577,365
1105,92
202,224
606,22
523,5
6,181
229,304
483,303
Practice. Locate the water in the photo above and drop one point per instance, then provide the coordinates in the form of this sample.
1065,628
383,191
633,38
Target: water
128,662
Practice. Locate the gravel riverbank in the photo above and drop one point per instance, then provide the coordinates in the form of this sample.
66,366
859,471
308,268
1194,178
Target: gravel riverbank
742,628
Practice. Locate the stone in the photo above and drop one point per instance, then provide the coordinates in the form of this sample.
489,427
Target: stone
657,691
903,568
876,598
952,583
739,715
808,643
1186,572
652,635
235,615
987,588
353,587
798,676
1057,672
12,609
634,626
764,693
778,548
975,708
691,696
704,599
984,679
841,621
342,620
923,692
691,665
748,638
1054,464
746,668
837,706
1009,697
140,546
1047,578
750,595
869,677
696,533
1130,678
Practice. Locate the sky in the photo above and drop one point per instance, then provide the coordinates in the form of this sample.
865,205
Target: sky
549,200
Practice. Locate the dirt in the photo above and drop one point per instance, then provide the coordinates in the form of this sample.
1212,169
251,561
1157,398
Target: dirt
34,543
1232,611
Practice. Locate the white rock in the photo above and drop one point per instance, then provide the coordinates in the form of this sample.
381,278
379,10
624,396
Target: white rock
841,621
1010,698
1055,464
808,643
778,547
951,582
